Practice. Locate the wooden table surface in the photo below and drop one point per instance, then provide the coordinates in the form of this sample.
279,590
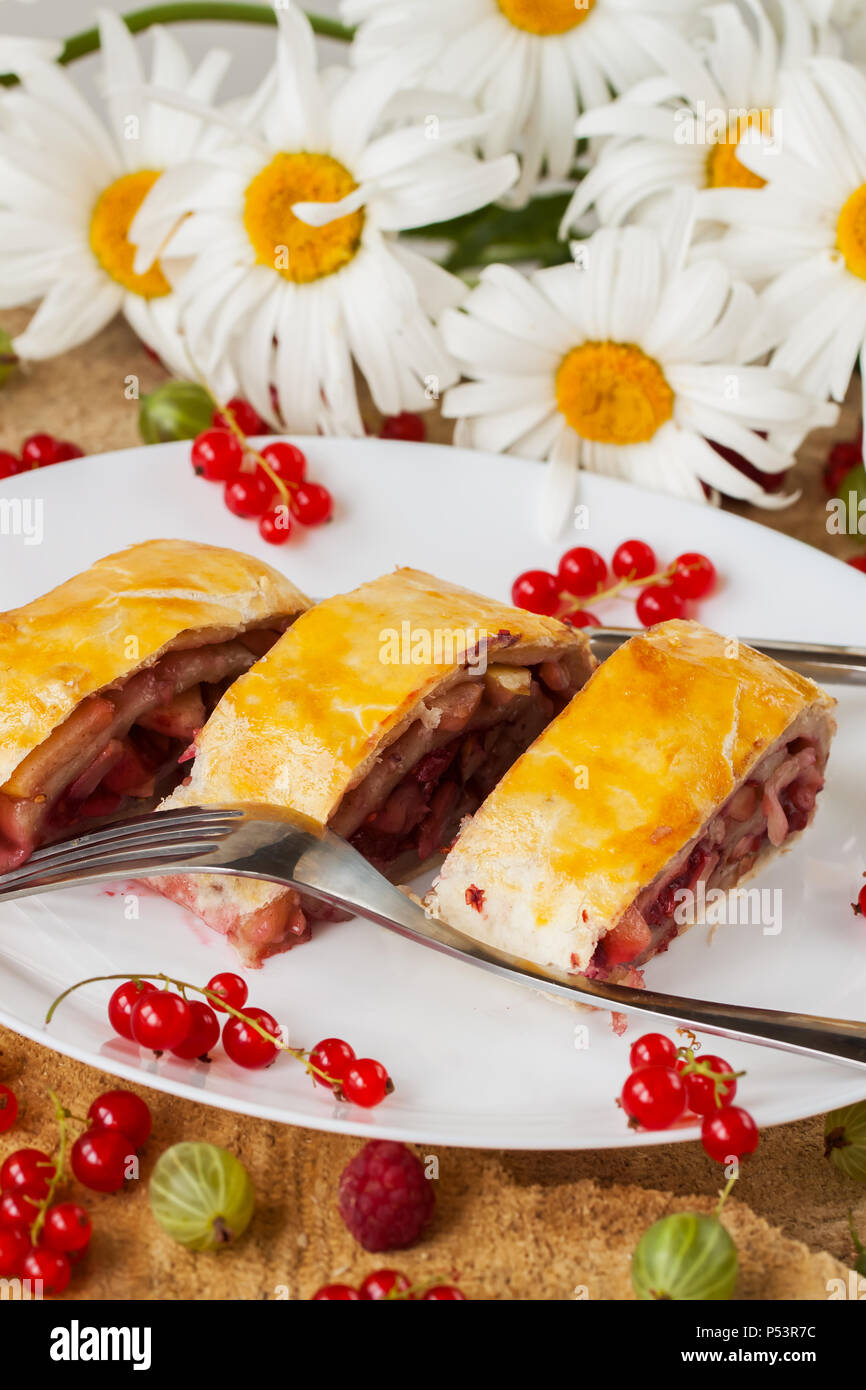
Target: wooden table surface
508,1224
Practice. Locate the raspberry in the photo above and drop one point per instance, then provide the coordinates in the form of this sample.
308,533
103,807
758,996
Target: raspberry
384,1198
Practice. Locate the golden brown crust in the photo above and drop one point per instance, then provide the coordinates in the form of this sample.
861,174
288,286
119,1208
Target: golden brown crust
302,727
614,788
116,617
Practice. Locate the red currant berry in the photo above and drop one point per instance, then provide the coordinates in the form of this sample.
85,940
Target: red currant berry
444,1293
381,1282
49,1267
658,604
858,563
705,1096
694,575
333,1056
365,1083
231,988
336,1293
247,419
406,425
730,1133
311,504
8,1108
64,451
100,1158
654,1097
861,900
217,455
652,1050
14,1246
161,1020
286,460
10,464
633,560
122,1110
39,450
581,618
67,1228
122,1002
203,1035
18,1208
248,494
244,1045
582,571
275,526
27,1168
537,591
842,458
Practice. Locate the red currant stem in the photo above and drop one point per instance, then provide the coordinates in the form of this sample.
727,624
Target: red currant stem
630,582
415,1289
61,1114
298,1053
695,1067
279,483
723,1196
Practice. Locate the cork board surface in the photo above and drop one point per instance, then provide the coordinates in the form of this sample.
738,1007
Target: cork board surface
508,1225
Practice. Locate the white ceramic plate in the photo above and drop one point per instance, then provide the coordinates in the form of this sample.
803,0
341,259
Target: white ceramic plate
476,1061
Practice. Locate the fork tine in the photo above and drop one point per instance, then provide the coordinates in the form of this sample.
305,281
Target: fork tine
121,859
180,820
72,856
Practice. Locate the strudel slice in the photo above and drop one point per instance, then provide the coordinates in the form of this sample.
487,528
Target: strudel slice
688,759
106,680
387,714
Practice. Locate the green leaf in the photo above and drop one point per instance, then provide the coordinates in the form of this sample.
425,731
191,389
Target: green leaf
177,410
8,358
494,233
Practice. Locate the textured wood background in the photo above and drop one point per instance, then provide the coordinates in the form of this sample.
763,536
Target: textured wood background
508,1225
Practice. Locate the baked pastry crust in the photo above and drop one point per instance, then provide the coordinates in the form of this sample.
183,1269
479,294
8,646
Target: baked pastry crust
118,617
619,783
306,723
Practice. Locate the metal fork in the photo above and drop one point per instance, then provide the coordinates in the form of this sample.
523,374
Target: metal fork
839,665
259,842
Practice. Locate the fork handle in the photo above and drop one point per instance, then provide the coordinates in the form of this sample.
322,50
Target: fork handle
339,875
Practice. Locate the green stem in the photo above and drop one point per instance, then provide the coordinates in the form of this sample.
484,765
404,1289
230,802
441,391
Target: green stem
79,45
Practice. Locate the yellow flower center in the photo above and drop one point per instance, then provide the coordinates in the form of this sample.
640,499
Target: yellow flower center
545,17
724,167
281,240
109,234
851,232
613,393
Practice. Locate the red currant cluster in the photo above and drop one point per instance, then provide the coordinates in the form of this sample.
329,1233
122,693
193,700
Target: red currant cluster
388,1284
666,1081
37,451
164,1020
41,1239
583,573
268,484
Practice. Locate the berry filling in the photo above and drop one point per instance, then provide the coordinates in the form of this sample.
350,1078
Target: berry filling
124,746
776,802
409,807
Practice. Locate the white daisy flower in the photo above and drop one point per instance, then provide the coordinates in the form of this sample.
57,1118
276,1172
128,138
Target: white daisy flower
296,270
687,128
70,186
808,229
626,363
848,18
535,63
